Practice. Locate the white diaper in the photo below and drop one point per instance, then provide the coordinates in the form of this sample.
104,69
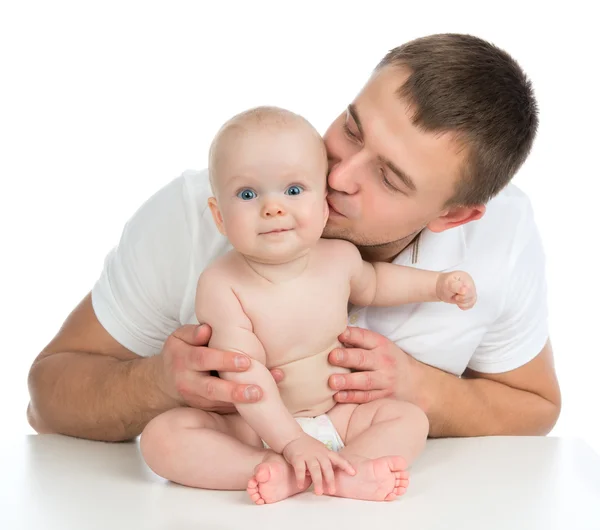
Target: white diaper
321,428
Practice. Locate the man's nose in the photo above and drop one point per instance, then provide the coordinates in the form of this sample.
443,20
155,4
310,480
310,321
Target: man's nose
272,208
344,175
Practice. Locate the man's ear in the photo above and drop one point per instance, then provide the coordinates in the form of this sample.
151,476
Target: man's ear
456,216
216,213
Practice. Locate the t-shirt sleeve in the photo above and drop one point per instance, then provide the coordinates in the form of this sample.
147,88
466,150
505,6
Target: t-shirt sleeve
138,295
521,329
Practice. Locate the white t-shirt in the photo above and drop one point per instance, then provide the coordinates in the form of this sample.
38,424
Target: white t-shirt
148,283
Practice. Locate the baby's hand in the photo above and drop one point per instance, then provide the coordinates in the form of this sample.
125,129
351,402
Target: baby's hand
457,288
308,455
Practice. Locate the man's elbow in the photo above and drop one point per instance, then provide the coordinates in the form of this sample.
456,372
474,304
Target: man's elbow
36,422
550,416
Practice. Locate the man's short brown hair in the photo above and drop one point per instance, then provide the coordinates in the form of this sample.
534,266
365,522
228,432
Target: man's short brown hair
463,84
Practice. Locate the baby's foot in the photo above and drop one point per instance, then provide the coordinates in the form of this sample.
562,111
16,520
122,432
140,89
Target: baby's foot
381,479
274,480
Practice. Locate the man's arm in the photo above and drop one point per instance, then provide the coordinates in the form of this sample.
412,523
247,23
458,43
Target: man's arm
493,396
505,390
85,384
524,401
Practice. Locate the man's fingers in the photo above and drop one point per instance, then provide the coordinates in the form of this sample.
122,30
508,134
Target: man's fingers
355,358
193,335
220,407
361,338
246,393
359,396
360,381
207,359
216,389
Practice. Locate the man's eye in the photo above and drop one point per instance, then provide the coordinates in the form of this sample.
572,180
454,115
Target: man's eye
386,182
247,194
294,190
349,133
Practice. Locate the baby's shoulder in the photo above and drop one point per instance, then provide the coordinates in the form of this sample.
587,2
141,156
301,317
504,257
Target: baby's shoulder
222,270
338,247
339,255
339,251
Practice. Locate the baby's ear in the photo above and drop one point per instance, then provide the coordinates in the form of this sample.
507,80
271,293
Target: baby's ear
216,213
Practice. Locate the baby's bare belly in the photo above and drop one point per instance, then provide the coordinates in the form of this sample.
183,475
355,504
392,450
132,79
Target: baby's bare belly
305,389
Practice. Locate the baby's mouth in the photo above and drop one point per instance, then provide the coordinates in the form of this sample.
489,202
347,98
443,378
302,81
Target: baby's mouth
276,231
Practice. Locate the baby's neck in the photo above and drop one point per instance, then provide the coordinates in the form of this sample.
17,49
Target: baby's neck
280,272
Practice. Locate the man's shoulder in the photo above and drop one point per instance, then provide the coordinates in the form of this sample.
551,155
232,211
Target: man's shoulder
494,245
207,242
182,196
509,218
196,185
512,198
494,239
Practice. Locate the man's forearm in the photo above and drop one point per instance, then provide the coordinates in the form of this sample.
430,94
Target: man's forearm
94,396
459,407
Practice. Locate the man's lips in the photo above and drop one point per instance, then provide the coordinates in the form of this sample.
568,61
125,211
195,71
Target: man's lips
333,208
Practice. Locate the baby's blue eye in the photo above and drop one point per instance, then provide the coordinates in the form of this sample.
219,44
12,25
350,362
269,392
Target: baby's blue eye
294,190
247,194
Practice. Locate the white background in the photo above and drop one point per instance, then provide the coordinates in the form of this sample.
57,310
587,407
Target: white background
102,103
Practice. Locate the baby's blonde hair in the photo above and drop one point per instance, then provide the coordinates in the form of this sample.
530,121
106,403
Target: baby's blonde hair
262,117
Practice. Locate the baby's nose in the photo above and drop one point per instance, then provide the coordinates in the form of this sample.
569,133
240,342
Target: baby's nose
272,209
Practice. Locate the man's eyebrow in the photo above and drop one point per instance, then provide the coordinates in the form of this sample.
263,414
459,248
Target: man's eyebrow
354,114
406,180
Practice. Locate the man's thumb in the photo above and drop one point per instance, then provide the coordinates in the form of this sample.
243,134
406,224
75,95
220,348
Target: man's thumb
194,335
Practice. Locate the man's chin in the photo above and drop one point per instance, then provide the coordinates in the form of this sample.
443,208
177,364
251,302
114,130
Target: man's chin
329,232
335,232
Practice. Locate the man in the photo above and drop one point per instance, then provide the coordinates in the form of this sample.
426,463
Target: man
420,164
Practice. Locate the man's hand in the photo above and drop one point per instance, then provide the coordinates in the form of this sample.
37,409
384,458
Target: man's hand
477,404
383,369
184,367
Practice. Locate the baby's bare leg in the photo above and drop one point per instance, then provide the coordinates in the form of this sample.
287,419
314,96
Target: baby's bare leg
202,449
382,440
206,450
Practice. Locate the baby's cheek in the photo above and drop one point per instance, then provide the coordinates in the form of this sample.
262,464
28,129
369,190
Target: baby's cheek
313,226
237,228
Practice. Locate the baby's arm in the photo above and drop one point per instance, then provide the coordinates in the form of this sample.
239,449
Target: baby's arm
218,306
386,284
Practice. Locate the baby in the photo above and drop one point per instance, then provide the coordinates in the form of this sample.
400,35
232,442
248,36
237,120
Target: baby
281,297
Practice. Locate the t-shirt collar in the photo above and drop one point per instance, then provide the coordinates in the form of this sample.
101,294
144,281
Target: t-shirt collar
437,251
